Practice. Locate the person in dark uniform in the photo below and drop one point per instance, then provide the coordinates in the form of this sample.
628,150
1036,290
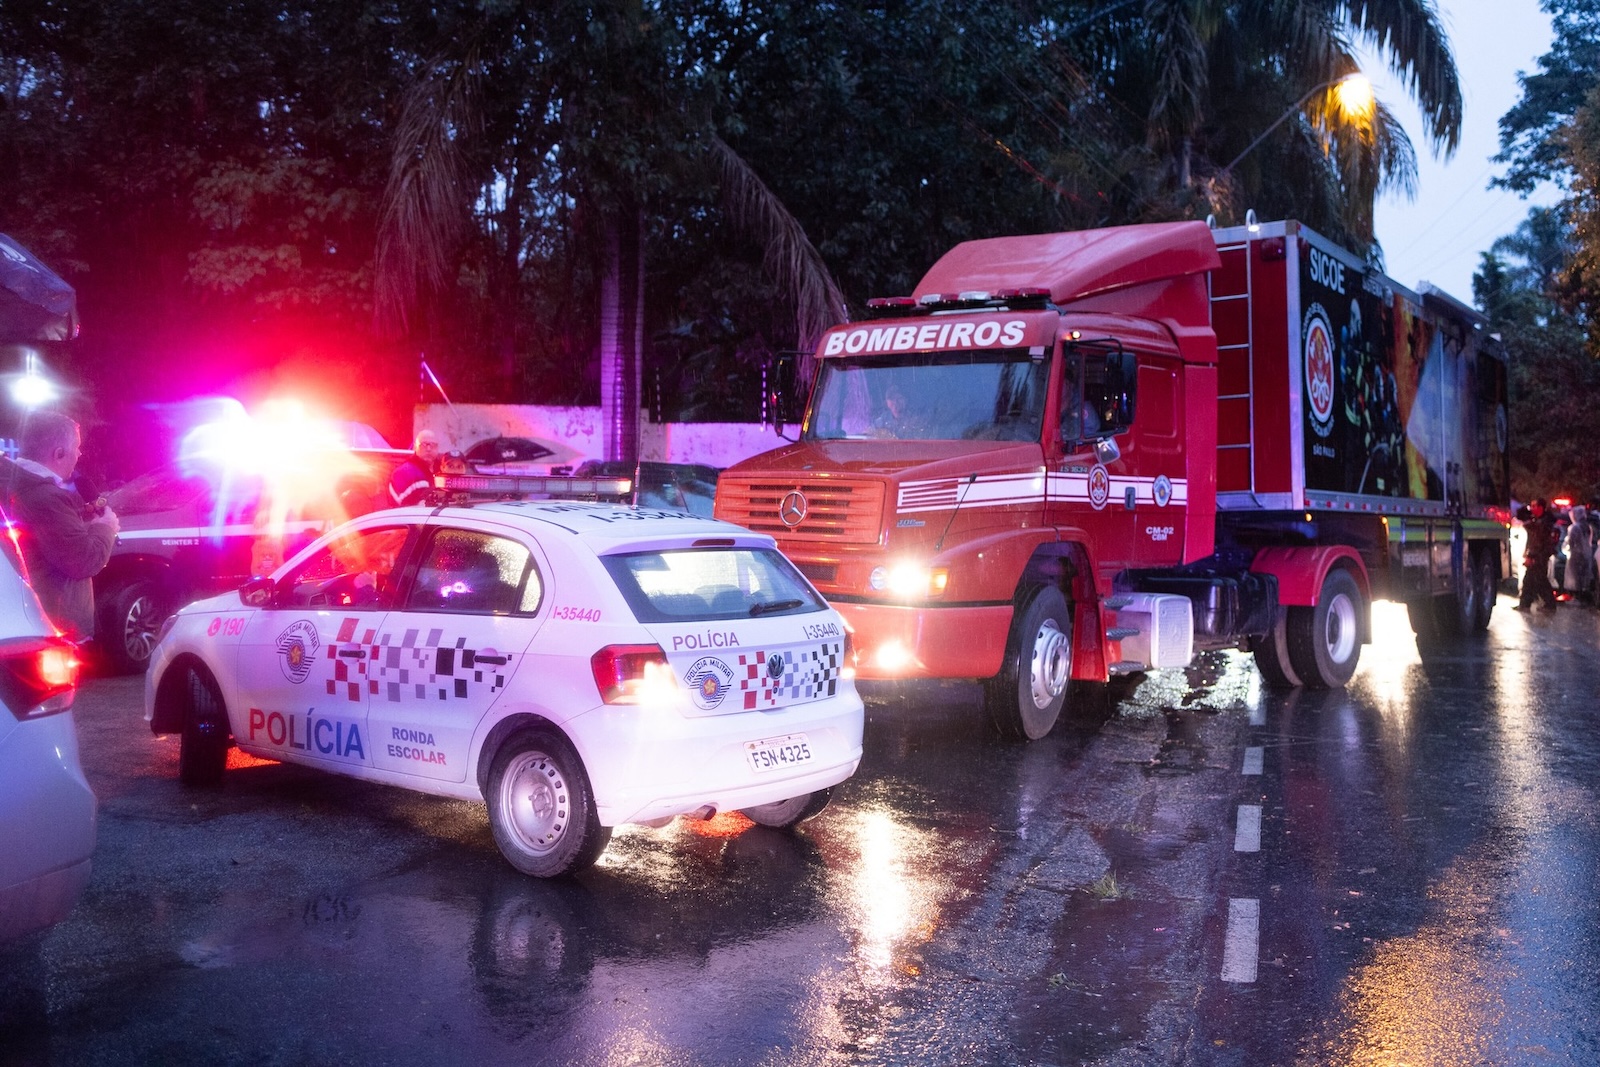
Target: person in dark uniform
413,479
1540,527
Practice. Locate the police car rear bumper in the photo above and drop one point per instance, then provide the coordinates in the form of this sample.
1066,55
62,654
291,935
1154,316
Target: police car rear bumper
655,764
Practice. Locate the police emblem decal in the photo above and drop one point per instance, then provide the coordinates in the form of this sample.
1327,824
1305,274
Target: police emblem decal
708,679
298,648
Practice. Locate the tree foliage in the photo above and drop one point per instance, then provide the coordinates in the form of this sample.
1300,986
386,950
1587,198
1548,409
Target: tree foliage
256,192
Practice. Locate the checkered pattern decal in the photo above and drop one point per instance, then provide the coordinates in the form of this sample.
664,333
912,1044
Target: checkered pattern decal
808,673
412,664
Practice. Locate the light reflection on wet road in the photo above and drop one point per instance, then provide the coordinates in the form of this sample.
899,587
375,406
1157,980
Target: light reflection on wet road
1426,879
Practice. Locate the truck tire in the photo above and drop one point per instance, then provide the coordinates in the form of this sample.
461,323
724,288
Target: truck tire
1272,655
1424,613
129,619
1026,697
1488,586
541,807
1325,640
203,742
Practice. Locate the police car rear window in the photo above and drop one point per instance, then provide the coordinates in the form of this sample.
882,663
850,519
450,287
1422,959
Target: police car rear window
691,585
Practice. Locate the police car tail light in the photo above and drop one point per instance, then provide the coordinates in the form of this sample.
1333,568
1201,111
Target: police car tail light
38,676
632,674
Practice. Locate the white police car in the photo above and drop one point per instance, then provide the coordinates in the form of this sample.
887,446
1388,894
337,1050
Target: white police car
574,665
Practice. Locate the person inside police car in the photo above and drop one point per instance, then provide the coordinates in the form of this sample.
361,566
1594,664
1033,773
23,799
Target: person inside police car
412,481
64,541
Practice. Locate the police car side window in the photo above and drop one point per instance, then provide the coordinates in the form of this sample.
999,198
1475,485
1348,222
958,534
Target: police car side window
469,571
355,571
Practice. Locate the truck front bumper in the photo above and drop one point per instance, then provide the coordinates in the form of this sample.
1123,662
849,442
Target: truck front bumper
901,641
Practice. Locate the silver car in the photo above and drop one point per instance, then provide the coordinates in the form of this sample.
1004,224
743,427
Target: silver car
47,810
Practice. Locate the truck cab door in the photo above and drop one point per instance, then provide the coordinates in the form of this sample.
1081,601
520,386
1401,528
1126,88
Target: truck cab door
1088,489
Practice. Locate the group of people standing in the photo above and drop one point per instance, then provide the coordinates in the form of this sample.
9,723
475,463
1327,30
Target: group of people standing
1560,552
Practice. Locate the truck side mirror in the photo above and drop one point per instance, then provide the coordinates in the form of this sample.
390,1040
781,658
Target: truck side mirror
1109,393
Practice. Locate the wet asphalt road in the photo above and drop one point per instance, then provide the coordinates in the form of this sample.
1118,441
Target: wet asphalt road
1189,870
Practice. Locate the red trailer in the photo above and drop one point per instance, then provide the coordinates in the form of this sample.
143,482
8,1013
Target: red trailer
1082,454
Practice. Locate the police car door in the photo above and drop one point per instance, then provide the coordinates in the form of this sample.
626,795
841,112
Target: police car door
306,660
450,648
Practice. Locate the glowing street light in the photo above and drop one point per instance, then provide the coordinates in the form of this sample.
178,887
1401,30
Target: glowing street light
1352,95
32,389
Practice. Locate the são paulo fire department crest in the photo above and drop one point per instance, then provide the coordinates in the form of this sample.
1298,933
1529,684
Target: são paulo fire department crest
1319,354
708,679
297,649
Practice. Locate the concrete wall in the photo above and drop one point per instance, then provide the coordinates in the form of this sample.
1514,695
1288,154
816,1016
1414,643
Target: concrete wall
577,433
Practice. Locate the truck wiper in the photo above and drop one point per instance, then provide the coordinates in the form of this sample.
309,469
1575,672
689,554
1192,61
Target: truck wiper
776,605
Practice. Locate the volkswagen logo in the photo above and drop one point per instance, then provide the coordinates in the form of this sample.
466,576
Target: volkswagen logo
793,509
775,666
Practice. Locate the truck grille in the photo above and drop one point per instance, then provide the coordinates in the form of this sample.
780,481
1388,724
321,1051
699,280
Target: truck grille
836,511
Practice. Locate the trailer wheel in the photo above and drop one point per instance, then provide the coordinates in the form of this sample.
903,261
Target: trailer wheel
1488,590
1026,697
1325,640
1272,655
1424,615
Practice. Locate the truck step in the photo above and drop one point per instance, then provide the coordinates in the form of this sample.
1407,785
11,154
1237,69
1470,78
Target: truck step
1117,633
1128,666
1117,603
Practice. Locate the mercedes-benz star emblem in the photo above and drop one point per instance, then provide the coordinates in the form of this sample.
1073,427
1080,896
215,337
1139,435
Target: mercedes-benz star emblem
793,509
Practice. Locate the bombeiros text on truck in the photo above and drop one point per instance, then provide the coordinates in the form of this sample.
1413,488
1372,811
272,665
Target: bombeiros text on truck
1074,455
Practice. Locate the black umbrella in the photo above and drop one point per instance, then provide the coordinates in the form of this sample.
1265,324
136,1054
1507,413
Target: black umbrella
35,305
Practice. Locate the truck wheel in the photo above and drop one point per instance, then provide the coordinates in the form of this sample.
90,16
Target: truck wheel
1272,655
1488,591
1026,697
541,808
1424,615
1325,640
203,742
129,620
784,814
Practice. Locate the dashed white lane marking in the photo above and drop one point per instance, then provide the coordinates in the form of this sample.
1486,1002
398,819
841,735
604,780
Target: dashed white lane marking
1258,716
1252,759
1243,945
1247,833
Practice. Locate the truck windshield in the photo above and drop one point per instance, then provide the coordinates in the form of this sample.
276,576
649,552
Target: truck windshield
985,395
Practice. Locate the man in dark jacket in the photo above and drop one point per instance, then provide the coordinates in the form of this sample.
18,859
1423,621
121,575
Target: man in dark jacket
64,542
1540,527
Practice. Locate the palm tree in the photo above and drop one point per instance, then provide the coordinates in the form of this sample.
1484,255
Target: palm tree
1224,70
595,98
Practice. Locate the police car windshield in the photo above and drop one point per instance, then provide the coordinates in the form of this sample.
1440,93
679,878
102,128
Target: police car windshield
982,395
692,585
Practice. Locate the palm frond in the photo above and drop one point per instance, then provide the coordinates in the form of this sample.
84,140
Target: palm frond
791,259
423,215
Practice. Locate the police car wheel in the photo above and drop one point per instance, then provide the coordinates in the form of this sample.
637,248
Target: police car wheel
203,742
129,621
541,808
1026,698
784,814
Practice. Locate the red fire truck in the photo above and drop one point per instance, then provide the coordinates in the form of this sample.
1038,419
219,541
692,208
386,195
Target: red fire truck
1075,455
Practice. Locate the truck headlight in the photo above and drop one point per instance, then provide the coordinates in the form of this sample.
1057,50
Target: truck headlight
910,580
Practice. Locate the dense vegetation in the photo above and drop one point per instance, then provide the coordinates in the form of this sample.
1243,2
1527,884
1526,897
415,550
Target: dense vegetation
315,193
